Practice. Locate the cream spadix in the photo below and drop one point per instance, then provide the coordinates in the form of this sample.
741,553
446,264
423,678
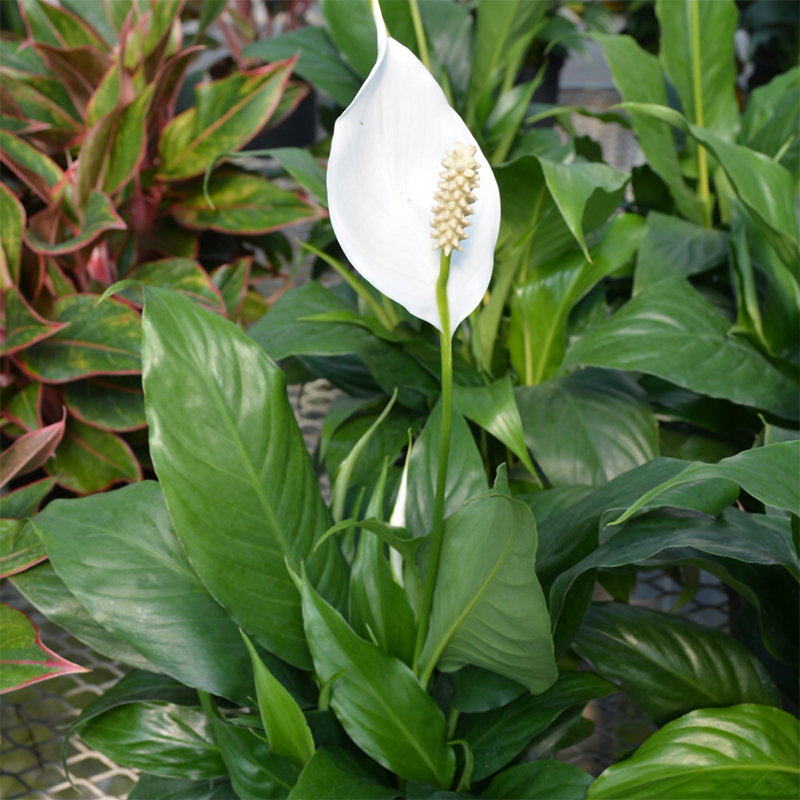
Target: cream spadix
404,168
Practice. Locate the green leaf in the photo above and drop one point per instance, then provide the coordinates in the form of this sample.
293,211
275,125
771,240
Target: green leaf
42,587
377,698
23,326
55,26
30,451
100,217
13,215
162,738
232,281
288,733
675,248
25,501
183,275
319,62
255,770
767,473
150,786
352,28
747,751
488,608
465,472
237,550
128,143
537,337
398,538
498,736
90,460
226,115
243,203
588,427
669,330
100,339
96,16
476,690
20,547
25,660
494,408
540,780
334,774
304,168
639,78
669,665
711,101
113,403
102,545
39,171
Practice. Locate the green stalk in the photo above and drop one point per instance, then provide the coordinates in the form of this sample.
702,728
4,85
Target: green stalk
702,164
420,34
444,455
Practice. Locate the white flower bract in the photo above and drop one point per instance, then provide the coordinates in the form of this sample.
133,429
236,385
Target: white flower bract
387,153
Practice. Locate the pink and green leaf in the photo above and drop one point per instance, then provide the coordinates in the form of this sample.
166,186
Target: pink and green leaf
20,547
101,339
128,143
25,407
24,502
105,97
25,660
36,169
232,281
23,326
109,402
79,69
89,460
30,451
243,203
48,24
180,274
12,217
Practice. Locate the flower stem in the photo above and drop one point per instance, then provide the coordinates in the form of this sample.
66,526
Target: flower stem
444,455
702,163
420,34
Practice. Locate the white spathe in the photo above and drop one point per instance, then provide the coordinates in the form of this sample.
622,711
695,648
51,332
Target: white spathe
383,171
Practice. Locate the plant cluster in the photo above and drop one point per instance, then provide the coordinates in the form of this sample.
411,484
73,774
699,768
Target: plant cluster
621,395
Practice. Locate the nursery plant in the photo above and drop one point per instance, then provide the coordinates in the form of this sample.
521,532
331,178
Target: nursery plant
553,396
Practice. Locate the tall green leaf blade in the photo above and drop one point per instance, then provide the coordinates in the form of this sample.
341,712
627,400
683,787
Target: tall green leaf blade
102,545
669,330
240,441
488,608
670,665
334,774
588,427
377,698
747,751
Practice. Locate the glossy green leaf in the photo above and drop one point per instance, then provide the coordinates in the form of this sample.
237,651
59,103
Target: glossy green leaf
465,472
39,171
540,780
476,690
334,774
25,660
255,771
494,408
42,587
150,786
23,326
232,282
319,62
170,618
128,144
377,698
304,168
638,77
20,547
669,330
541,307
673,248
498,736
709,25
747,751
30,451
100,217
226,115
100,339
398,538
488,608
162,738
670,665
13,216
352,28
90,460
24,502
114,403
183,275
588,427
243,203
288,733
191,352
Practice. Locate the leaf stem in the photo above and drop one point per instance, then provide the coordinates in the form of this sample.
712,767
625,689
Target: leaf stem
702,163
444,455
420,34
